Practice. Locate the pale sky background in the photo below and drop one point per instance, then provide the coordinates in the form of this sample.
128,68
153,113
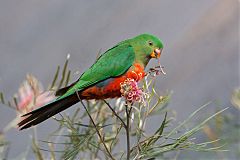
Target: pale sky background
201,54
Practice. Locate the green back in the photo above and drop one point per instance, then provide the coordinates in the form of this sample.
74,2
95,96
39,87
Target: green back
114,62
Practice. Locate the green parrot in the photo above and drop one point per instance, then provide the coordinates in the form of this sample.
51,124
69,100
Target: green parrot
127,59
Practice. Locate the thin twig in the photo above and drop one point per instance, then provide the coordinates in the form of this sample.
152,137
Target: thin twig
126,126
115,137
114,112
55,77
101,138
68,78
128,112
63,74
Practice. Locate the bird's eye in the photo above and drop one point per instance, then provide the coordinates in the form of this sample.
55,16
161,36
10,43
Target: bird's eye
150,43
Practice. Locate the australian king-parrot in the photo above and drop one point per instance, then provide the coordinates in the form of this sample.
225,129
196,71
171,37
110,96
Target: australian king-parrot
127,59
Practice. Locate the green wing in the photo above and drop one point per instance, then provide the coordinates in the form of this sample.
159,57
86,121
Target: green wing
114,62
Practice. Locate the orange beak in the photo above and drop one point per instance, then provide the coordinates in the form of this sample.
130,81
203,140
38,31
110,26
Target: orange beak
156,53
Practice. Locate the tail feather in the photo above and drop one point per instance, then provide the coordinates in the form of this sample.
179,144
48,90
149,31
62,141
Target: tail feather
39,115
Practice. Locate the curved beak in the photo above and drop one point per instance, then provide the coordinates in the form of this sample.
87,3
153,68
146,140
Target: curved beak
156,53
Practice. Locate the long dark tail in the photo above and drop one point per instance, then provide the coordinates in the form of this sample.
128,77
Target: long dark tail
41,114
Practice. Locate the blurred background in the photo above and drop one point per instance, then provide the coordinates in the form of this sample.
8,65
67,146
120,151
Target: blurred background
201,54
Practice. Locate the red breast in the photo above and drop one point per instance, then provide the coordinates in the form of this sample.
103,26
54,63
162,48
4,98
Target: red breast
112,88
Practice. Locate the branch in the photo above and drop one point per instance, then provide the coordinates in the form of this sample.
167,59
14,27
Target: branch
128,112
99,134
114,112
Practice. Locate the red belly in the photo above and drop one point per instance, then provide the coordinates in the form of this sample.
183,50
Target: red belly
112,89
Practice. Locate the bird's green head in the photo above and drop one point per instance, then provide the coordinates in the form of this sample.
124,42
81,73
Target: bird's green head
146,46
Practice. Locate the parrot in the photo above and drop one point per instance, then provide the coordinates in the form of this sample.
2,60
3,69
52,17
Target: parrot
127,59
